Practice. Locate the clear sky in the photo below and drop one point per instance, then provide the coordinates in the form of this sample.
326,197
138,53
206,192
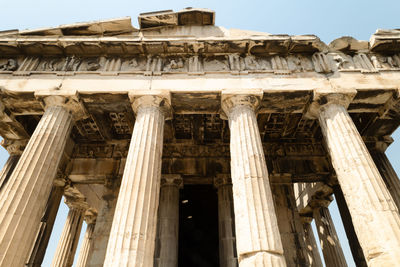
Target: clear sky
326,19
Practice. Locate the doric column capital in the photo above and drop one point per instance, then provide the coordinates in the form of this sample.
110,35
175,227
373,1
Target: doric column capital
14,147
159,99
67,100
171,180
90,216
222,179
232,99
322,99
316,203
74,198
307,218
61,181
379,145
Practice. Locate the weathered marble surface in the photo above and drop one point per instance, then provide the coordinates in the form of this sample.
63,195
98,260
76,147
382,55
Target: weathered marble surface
372,208
97,65
135,216
21,210
257,233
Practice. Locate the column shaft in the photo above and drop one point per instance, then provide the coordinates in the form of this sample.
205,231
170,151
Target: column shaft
389,175
290,226
85,247
66,248
375,217
257,233
8,169
24,196
226,227
330,245
101,233
46,227
355,247
312,249
132,237
168,225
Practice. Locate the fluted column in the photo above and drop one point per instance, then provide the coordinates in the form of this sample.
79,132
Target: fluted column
168,221
14,148
66,248
375,217
8,169
90,219
354,244
46,226
290,226
311,245
23,199
101,233
330,245
133,231
226,222
389,175
257,233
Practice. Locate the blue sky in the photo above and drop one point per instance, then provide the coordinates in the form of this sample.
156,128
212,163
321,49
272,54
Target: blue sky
326,19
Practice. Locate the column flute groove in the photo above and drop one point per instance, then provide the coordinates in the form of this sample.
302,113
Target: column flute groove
132,236
24,196
66,248
226,225
87,243
14,148
375,216
329,241
312,249
257,232
168,221
389,175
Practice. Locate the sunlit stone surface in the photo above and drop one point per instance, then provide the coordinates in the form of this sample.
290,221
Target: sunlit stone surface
101,111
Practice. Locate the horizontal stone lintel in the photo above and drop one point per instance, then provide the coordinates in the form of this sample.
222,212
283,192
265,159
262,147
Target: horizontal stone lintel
201,95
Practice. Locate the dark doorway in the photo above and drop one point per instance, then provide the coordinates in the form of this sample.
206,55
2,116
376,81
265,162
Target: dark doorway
198,227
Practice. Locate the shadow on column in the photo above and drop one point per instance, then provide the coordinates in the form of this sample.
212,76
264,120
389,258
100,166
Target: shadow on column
198,226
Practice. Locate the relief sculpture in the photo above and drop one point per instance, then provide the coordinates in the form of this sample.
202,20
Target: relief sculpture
251,63
9,65
197,64
175,64
154,65
343,62
321,62
280,65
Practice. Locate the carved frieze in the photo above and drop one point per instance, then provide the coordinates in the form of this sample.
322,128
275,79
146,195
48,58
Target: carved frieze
8,64
189,150
199,64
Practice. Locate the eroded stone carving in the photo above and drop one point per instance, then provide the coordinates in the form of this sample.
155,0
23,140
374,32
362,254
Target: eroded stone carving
29,64
322,62
91,64
50,64
216,64
8,65
236,63
280,65
113,64
174,64
72,64
343,62
195,64
362,62
154,65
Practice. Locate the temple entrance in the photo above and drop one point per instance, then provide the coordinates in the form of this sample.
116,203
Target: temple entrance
198,226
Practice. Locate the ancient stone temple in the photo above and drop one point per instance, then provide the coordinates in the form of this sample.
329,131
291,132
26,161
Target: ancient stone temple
186,144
